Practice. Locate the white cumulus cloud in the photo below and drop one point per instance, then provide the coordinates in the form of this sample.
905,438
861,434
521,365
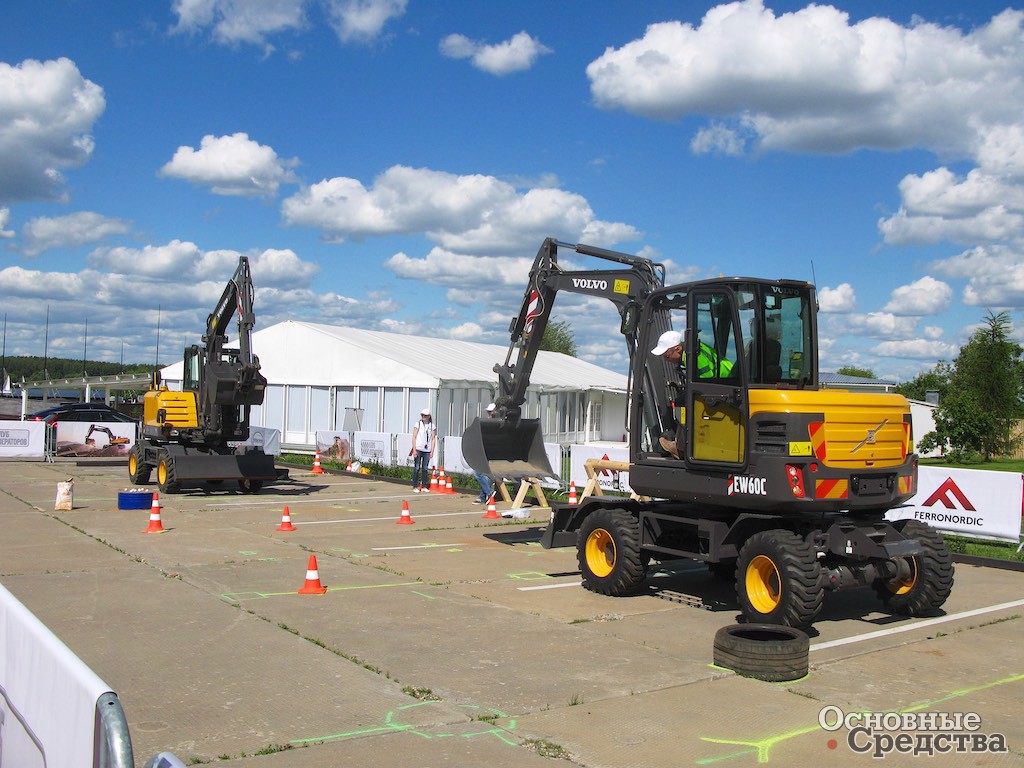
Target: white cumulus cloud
926,296
811,80
474,213
82,228
516,54
47,110
362,20
994,274
231,165
841,299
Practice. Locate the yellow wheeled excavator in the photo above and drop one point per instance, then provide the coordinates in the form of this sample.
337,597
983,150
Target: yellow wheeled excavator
190,437
740,460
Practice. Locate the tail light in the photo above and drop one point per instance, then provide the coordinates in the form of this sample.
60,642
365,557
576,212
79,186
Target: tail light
795,476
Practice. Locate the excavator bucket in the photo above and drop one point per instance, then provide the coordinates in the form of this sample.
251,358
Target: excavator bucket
503,450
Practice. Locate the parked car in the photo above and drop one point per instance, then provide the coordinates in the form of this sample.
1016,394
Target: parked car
93,412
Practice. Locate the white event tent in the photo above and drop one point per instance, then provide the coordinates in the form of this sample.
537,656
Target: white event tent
331,378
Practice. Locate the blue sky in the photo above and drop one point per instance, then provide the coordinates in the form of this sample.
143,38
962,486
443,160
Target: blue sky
395,164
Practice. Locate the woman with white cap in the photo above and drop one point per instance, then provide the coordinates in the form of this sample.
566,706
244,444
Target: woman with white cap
424,440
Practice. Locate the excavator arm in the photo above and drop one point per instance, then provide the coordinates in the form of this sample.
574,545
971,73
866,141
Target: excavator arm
228,379
508,445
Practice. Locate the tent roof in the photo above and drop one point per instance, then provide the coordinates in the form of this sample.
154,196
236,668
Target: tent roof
295,352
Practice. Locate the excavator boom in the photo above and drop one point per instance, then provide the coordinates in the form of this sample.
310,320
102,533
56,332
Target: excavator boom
508,445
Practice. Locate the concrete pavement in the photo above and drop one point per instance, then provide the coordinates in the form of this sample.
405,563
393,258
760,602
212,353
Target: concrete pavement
457,641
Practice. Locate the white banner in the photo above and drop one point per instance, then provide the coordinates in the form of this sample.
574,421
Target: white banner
80,438
608,479
24,439
971,502
334,446
266,438
373,446
48,706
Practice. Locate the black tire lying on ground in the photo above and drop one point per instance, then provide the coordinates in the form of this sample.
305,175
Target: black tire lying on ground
769,652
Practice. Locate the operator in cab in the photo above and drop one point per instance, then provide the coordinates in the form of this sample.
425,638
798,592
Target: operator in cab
670,347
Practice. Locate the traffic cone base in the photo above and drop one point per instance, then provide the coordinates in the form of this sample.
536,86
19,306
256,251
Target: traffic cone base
406,518
286,522
492,510
155,526
312,585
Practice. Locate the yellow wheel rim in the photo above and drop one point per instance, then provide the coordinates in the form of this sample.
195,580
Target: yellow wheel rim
600,552
161,472
133,464
764,584
902,586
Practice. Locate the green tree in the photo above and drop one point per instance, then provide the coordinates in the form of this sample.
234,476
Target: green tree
558,337
935,380
861,373
984,395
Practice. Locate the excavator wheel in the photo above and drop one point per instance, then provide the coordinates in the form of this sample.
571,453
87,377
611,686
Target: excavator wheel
778,580
165,474
608,551
138,469
930,579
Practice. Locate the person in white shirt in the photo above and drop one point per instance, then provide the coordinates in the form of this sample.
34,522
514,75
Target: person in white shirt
424,440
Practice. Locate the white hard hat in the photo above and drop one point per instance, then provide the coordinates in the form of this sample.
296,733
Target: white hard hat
666,341
425,412
490,407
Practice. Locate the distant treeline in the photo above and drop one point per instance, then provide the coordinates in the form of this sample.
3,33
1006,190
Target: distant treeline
31,368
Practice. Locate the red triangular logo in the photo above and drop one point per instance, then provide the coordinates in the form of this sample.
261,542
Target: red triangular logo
942,494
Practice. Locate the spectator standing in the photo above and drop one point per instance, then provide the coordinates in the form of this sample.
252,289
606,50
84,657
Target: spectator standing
424,440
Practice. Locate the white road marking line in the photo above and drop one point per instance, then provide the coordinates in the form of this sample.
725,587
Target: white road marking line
319,500
374,519
550,586
917,625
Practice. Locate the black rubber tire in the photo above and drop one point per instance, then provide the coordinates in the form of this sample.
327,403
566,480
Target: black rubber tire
608,552
763,651
779,580
250,486
165,479
138,470
931,578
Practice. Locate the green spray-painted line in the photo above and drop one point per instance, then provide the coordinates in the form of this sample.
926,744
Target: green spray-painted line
234,597
390,725
764,746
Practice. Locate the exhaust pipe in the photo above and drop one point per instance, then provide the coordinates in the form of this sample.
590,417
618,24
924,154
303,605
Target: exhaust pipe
501,449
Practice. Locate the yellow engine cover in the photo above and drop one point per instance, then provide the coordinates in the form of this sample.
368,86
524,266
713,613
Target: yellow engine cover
849,429
179,409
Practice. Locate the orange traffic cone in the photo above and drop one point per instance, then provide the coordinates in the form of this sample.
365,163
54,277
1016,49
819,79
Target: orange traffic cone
154,515
433,479
348,467
448,485
492,510
286,522
317,469
573,501
312,585
406,518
